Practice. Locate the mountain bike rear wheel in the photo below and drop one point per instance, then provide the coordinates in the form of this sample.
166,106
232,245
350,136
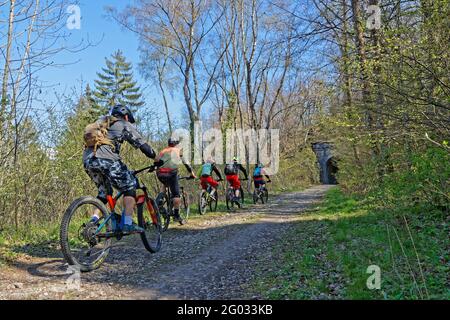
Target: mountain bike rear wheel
241,193
185,206
79,240
202,202
255,197
213,202
229,198
165,209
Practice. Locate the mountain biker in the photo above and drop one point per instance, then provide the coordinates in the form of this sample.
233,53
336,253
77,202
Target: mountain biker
105,167
167,172
258,176
232,176
206,176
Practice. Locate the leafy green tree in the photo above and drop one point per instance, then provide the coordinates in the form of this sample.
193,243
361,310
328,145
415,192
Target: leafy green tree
116,85
69,149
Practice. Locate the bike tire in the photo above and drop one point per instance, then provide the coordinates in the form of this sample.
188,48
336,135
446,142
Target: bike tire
185,208
202,203
255,197
266,195
238,204
152,240
213,203
164,209
64,234
228,200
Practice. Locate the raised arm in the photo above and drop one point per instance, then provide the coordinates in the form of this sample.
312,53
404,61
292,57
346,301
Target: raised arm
217,172
186,165
241,167
133,137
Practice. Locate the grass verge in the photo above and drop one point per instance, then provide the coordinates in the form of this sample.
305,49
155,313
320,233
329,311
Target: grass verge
327,252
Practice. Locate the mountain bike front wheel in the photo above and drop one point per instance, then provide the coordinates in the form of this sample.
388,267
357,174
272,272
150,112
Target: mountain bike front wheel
81,242
150,220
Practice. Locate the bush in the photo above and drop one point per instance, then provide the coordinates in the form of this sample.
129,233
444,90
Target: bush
419,178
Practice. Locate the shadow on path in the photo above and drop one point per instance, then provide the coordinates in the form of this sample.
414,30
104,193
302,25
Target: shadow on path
207,259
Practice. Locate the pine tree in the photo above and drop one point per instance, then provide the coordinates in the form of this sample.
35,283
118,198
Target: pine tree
88,101
116,85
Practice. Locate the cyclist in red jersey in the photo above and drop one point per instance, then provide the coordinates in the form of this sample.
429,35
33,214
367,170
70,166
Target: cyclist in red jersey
232,175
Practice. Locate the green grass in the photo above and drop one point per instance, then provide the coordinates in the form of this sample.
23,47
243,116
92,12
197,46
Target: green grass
327,252
14,242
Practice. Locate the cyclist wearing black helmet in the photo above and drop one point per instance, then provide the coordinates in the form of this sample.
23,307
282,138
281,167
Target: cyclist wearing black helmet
167,162
105,167
232,176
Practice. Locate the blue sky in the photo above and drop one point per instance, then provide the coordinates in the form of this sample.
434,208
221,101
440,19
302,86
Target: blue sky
82,66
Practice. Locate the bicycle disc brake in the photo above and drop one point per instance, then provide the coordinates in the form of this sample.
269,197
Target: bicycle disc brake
87,233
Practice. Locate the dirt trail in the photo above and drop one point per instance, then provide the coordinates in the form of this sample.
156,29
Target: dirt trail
212,258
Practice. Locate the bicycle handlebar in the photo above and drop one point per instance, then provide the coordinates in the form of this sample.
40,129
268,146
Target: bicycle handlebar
135,172
186,178
151,168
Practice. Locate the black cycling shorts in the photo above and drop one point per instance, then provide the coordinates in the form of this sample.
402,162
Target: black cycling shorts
259,182
170,180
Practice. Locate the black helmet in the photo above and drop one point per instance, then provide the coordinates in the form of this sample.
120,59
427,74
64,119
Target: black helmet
172,142
122,111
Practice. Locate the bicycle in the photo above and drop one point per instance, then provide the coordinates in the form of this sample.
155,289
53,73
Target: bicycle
207,200
93,242
165,204
261,193
230,195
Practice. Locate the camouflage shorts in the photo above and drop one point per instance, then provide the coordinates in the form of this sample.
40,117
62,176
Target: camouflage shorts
107,174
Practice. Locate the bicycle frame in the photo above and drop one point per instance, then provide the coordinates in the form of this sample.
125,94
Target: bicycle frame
231,188
260,192
261,188
231,192
169,193
112,201
206,193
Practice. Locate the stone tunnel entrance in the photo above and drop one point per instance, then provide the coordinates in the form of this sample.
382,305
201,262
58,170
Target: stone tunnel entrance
326,161
332,169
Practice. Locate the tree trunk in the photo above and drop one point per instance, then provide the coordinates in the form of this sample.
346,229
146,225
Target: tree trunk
345,57
4,97
361,49
166,106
